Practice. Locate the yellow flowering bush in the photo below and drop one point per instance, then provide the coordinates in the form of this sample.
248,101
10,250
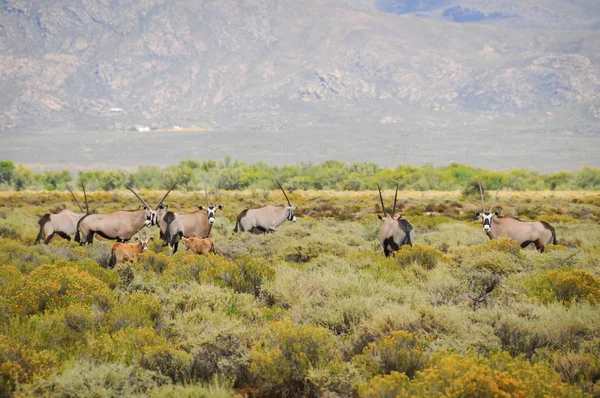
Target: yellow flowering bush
138,309
426,257
287,354
455,375
504,245
565,286
244,275
48,287
19,364
126,345
400,351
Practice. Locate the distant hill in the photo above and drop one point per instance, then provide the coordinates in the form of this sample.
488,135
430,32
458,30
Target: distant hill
273,65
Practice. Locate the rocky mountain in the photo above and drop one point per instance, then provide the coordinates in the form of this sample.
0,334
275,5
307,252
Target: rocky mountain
279,65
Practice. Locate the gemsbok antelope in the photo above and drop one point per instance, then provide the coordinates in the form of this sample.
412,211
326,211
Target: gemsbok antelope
199,245
265,219
495,226
119,225
199,223
63,223
121,252
396,232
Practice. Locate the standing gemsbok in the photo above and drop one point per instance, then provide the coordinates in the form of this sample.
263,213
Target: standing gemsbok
265,219
63,223
539,233
119,225
396,232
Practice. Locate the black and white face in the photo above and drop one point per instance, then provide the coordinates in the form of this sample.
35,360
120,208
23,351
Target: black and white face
486,218
211,212
290,213
150,216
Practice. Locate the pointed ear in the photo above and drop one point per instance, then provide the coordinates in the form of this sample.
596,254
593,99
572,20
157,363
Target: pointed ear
200,208
136,239
379,216
497,214
151,238
220,207
477,214
294,208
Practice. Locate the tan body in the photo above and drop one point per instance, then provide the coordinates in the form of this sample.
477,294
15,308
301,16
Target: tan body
63,224
539,233
265,219
120,225
195,224
395,233
199,245
122,252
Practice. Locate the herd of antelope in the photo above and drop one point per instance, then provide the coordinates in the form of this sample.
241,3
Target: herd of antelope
194,228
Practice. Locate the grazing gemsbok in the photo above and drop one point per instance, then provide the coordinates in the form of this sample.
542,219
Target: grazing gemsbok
396,232
63,223
121,252
265,219
539,233
199,245
119,225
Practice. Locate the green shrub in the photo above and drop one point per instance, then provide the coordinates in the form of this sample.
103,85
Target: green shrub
170,362
426,257
126,345
400,351
455,375
87,379
305,250
244,275
136,309
286,355
504,245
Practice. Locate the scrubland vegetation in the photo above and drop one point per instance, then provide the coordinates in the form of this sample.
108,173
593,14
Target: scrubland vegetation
314,309
331,174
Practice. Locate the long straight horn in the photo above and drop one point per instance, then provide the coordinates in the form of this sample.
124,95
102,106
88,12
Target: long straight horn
217,192
481,192
87,207
495,197
381,197
135,193
289,204
206,192
168,192
395,197
76,201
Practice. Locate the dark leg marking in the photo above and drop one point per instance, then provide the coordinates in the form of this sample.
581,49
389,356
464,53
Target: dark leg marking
64,236
526,243
48,238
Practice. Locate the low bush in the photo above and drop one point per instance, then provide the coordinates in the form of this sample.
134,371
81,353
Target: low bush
168,361
565,286
87,379
126,345
48,287
287,354
137,309
426,257
455,375
244,275
401,351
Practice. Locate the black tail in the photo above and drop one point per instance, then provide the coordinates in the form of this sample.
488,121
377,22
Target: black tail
113,259
552,230
45,218
77,237
407,228
238,225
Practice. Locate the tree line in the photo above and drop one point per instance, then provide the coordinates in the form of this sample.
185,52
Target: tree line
328,175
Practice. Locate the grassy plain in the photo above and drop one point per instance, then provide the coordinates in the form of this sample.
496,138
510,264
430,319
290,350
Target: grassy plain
312,310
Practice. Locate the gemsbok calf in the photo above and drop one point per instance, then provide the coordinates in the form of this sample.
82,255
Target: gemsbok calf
199,245
122,252
63,223
395,232
495,226
265,219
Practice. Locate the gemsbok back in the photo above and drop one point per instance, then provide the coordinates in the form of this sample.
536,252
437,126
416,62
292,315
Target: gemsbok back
539,233
63,223
265,219
396,232
119,225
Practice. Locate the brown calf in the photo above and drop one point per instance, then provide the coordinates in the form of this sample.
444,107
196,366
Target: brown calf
121,252
199,245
